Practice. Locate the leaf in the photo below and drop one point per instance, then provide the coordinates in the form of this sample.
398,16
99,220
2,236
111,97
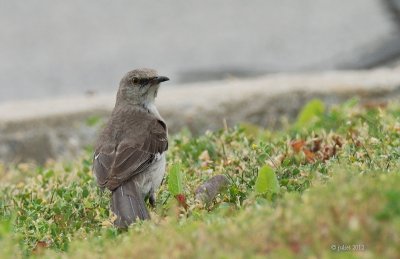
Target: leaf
5,227
297,145
207,191
181,198
251,130
314,108
175,180
373,120
351,103
310,156
204,156
40,246
266,181
93,120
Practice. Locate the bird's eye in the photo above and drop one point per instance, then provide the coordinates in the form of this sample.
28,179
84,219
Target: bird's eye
134,80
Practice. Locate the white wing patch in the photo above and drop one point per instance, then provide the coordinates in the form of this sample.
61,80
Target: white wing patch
157,156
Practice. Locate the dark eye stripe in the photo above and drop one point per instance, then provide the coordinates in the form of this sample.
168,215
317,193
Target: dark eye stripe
142,81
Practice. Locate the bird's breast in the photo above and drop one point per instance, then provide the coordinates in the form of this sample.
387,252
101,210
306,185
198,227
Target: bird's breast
151,107
152,178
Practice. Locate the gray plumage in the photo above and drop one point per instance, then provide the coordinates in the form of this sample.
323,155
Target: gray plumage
129,156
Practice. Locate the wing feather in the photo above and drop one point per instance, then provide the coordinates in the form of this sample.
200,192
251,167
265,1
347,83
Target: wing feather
131,155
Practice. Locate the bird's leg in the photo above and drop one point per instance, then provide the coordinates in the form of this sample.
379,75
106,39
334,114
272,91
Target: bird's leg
152,199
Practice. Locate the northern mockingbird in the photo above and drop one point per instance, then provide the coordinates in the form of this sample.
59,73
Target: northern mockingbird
129,156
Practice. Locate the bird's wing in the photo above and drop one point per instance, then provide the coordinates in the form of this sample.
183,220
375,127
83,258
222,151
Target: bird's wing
116,163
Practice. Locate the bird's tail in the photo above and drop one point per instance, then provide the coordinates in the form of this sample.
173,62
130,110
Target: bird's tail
128,204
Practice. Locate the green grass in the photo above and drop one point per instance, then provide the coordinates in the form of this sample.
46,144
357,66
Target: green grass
330,182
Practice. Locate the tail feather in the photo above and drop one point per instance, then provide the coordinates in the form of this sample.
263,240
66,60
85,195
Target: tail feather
128,204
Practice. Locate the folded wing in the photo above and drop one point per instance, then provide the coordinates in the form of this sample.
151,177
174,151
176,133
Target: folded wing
116,160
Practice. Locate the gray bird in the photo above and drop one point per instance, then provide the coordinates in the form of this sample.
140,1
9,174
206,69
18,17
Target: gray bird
129,156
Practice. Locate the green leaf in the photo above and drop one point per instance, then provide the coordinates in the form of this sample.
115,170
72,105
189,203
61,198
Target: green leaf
93,120
5,227
250,130
266,181
314,108
175,179
351,103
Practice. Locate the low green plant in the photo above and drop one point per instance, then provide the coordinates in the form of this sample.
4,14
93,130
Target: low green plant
330,179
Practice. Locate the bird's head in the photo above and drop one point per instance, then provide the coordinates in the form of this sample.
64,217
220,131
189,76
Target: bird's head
140,86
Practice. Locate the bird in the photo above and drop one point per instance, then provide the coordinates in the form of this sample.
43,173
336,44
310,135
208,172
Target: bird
130,153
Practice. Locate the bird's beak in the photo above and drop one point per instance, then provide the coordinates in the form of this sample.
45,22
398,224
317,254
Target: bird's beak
160,79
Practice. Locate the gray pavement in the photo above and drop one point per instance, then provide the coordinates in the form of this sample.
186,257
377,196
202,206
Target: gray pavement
60,48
